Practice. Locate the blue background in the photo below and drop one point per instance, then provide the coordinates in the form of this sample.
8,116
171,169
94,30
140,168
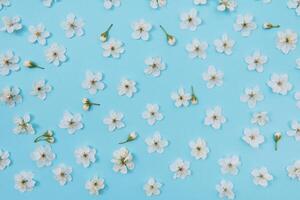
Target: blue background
179,126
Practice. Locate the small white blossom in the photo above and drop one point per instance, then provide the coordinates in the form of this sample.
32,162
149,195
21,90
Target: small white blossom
114,120
152,187
260,118
224,44
127,87
280,84
4,159
93,82
71,122
261,176
113,48
24,181
244,24
213,77
62,174
11,24
295,130
85,156
199,149
157,3
152,114
197,49
180,168
252,96
156,143
40,89
190,20
11,96
23,125
43,156
294,4
294,170
214,117
181,98
229,165
253,137
38,34
286,41
123,160
73,26
109,4
225,189
8,63
256,61
95,185
200,2
141,30
56,54
225,5
154,66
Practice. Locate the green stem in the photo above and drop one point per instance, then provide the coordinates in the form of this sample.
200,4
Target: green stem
110,26
163,29
276,146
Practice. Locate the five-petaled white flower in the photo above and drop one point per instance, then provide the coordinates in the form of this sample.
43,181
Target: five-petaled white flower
213,77
214,117
152,187
40,89
71,122
127,87
11,24
156,143
113,48
295,132
141,30
190,20
62,174
23,125
229,165
43,156
253,137
224,44
24,181
180,168
38,34
225,5
93,82
56,54
261,176
4,3
123,160
4,159
225,189
85,156
8,62
197,49
11,96
154,66
244,24
109,4
286,41
152,114
181,98
200,2
73,26
294,4
260,118
157,3
95,185
199,149
114,120
256,61
280,84
252,96
294,170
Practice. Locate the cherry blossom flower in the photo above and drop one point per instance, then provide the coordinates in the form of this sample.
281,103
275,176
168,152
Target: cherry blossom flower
38,34
280,84
253,137
11,96
73,26
156,143
141,30
43,156
114,120
154,66
152,187
225,189
95,185
225,5
113,48
295,130
8,63
199,149
40,89
244,24
294,170
24,181
286,41
123,161
23,125
180,168
190,20
56,54
181,98
256,61
155,4
197,49
11,24
109,4
229,165
152,114
294,4
85,156
62,174
261,176
214,117
127,87
252,96
93,82
71,122
224,44
260,118
213,77
4,159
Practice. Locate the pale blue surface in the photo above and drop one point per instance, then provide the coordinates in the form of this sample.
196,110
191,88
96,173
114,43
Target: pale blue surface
179,125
